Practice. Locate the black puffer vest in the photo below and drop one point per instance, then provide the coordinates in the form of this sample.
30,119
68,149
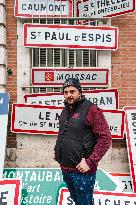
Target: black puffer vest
75,140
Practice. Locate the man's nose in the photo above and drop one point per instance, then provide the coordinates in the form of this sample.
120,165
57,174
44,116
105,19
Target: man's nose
69,94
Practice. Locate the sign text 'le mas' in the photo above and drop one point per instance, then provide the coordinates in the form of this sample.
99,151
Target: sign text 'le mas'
40,119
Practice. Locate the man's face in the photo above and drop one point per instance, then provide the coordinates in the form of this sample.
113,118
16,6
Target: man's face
71,94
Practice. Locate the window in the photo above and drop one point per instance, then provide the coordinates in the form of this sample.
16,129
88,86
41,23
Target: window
46,58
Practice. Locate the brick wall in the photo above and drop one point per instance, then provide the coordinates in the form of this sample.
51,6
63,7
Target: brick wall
124,64
124,59
11,24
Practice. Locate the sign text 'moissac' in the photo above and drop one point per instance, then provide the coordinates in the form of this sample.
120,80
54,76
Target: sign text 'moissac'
93,77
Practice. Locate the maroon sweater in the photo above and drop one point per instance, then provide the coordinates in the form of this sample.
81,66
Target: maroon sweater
96,120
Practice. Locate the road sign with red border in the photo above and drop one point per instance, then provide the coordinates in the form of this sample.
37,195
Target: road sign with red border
43,8
115,119
104,98
71,36
100,9
101,198
88,77
10,191
130,119
125,179
35,119
40,119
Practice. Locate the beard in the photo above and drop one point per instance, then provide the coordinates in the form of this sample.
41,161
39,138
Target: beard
72,101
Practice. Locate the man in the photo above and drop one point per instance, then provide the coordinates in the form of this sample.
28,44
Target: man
84,137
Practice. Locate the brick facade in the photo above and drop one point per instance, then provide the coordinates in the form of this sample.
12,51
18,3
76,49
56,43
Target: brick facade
124,60
11,24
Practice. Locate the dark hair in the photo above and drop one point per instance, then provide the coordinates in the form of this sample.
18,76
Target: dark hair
72,82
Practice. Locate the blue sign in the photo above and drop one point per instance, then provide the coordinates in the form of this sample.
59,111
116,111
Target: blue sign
4,101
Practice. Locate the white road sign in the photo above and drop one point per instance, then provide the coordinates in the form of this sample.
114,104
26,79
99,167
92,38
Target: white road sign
100,8
112,198
4,108
70,36
10,192
91,77
42,8
130,119
105,99
100,198
106,181
115,119
125,179
36,119
40,119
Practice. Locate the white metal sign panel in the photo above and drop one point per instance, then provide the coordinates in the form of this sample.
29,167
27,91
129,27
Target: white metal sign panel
43,8
115,119
101,198
100,8
70,36
4,107
2,74
91,77
105,99
3,35
35,119
125,179
10,192
40,119
106,181
64,197
130,120
3,14
3,59
114,198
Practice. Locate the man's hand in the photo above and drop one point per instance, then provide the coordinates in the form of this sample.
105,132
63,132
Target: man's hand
82,166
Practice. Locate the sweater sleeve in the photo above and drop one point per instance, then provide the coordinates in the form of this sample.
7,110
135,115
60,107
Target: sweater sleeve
95,118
